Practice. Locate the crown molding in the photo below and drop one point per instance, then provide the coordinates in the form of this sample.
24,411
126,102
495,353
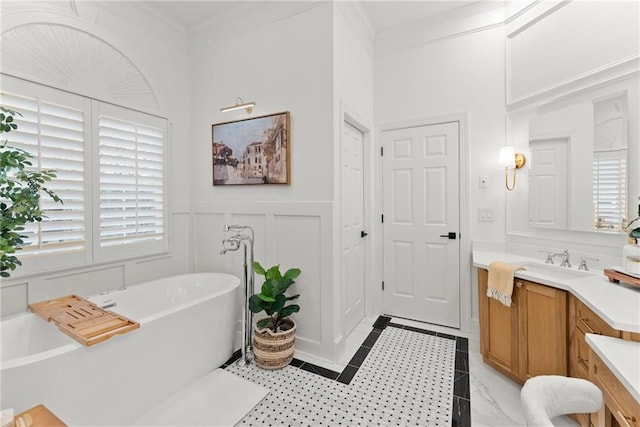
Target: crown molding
473,18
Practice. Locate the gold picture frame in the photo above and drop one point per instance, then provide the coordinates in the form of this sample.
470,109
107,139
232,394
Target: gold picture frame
253,151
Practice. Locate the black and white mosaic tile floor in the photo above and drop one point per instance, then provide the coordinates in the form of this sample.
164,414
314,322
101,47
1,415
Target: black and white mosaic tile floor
401,375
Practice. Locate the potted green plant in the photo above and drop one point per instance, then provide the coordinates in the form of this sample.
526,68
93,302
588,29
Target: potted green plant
631,251
274,335
20,190
635,232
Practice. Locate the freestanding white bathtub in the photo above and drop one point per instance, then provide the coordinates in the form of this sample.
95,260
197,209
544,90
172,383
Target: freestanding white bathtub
187,327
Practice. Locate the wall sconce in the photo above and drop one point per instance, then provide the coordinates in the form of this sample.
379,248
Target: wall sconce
248,106
509,159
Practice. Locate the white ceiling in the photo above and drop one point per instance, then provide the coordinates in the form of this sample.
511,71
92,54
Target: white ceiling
382,15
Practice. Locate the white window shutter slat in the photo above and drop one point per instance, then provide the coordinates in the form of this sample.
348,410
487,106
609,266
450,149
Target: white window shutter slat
129,154
54,134
123,203
609,190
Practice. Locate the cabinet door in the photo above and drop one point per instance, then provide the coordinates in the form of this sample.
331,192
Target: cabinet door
543,330
498,330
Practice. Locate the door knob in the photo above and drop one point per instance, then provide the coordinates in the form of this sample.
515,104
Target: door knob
451,235
363,234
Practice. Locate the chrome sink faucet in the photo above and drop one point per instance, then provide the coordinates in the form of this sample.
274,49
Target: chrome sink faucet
549,259
583,263
566,262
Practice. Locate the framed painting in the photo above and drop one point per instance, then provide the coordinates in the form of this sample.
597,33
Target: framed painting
252,151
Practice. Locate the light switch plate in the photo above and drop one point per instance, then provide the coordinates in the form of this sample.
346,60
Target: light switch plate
485,214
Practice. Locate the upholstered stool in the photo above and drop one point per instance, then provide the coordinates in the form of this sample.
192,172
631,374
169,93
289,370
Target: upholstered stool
548,396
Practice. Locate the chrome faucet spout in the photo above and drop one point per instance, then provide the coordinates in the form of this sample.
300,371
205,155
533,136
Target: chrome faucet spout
231,244
566,262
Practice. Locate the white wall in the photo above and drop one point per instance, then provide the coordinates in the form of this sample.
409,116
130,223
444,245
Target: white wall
156,52
283,64
461,74
353,101
566,40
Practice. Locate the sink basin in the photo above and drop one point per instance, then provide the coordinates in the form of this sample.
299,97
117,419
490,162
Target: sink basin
556,272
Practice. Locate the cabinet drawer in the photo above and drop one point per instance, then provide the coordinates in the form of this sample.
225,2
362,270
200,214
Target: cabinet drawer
581,361
622,405
590,323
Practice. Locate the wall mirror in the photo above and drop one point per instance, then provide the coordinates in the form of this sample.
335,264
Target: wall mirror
583,160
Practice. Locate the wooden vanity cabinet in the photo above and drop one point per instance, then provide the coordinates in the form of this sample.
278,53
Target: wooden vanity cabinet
530,337
620,407
498,330
582,320
543,333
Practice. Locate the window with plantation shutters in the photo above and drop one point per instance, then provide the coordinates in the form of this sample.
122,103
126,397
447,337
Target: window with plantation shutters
610,150
131,158
54,133
110,164
609,190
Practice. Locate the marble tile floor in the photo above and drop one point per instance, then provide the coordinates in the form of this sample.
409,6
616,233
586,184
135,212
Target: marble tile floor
494,399
399,376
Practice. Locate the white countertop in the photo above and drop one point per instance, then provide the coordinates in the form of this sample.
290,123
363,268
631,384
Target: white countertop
621,357
618,305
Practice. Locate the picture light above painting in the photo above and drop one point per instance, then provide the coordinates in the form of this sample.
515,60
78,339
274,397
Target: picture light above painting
254,151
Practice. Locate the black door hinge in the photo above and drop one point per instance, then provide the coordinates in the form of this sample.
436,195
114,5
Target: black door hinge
381,151
383,285
382,218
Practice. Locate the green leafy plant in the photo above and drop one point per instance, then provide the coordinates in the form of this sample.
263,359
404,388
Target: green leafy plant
272,299
635,232
20,190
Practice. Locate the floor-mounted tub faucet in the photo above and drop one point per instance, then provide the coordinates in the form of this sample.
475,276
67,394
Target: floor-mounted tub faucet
233,244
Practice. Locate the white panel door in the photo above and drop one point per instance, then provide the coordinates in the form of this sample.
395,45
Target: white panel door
421,209
352,238
548,183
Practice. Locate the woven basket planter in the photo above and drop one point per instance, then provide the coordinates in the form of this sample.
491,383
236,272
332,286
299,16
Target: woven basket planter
274,350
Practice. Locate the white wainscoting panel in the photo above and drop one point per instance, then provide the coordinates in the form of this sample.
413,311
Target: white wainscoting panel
17,293
298,243
84,283
207,244
295,234
14,298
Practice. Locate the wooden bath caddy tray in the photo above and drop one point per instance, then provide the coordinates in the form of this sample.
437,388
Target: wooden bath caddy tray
82,320
617,276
